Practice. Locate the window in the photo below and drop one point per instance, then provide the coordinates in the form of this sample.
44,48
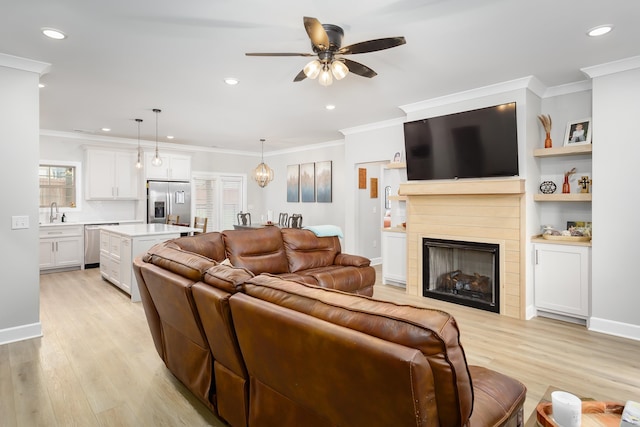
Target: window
59,184
219,198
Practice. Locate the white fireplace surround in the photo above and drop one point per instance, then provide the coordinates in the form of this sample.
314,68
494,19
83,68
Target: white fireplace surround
484,211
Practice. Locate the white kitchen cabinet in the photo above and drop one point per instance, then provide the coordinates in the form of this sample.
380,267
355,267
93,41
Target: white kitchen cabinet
111,175
174,167
119,245
61,247
394,257
562,276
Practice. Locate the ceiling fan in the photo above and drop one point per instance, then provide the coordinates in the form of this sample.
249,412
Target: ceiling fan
326,41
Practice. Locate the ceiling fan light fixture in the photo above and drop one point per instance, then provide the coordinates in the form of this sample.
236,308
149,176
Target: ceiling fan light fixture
312,69
325,78
339,70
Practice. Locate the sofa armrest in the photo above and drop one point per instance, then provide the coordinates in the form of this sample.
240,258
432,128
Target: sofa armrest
186,264
353,260
227,278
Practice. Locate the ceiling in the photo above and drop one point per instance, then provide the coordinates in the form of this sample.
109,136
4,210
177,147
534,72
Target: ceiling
122,59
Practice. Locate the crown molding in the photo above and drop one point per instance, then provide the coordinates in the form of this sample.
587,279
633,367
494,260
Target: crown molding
612,67
24,64
530,82
373,126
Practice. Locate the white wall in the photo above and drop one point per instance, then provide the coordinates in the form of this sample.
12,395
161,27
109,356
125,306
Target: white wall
274,195
19,115
616,151
367,144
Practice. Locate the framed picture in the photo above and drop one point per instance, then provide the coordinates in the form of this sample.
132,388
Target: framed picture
307,182
323,182
373,191
397,157
293,183
362,178
578,132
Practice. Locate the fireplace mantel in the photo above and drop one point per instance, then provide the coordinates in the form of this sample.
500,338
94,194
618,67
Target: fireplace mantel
460,187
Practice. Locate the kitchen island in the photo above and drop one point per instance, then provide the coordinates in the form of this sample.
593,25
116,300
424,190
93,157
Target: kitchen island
120,244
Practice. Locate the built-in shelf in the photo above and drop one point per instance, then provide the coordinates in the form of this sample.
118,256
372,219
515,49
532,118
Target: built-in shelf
540,239
395,165
563,151
574,197
400,198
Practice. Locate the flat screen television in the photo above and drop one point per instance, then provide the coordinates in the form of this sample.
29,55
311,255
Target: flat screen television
479,143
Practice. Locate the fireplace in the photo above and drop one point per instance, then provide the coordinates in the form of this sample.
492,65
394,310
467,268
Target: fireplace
462,272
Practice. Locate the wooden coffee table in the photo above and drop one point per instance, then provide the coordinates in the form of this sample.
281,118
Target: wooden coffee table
532,421
594,414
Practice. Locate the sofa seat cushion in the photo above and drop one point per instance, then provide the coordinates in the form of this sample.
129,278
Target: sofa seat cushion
210,245
259,250
297,277
306,251
498,399
433,333
355,280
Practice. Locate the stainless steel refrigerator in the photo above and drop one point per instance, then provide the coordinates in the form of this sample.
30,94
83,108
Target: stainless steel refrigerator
168,198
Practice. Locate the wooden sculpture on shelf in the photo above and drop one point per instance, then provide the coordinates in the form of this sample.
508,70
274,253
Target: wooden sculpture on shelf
585,184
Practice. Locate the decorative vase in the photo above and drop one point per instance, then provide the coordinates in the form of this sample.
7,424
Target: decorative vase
547,141
566,189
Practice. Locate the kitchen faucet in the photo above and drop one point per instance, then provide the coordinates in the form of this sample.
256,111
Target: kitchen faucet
51,217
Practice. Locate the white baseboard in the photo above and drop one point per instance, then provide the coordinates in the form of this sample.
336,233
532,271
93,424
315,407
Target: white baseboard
20,333
376,261
530,312
611,327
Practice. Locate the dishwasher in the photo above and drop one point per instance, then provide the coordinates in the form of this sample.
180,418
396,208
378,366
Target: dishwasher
92,244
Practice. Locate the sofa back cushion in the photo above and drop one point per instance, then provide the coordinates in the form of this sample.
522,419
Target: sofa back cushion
259,250
433,333
305,250
210,245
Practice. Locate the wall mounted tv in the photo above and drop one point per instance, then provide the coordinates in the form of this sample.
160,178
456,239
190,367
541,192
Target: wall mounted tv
473,144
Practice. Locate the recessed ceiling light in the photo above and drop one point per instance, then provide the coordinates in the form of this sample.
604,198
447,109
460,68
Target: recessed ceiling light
600,30
330,107
106,129
52,33
231,81
170,136
40,85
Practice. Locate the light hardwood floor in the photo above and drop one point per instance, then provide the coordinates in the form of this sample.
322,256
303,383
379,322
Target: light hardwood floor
96,364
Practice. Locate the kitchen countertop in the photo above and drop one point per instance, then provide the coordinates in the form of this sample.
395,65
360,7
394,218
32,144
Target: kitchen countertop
137,230
94,222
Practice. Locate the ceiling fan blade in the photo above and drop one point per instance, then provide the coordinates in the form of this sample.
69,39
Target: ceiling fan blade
372,45
316,33
301,76
358,68
279,54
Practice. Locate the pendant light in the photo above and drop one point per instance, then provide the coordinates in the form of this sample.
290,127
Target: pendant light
139,162
263,174
157,161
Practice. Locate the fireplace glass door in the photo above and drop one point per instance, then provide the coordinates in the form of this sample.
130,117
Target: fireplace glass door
465,273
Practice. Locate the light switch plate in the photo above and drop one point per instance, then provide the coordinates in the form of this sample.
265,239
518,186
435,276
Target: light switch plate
19,222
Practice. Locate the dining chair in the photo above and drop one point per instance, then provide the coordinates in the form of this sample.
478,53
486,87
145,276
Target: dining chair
282,219
173,219
244,218
295,221
200,222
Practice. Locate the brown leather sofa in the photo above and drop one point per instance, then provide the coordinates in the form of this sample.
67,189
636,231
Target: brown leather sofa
290,253
268,351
